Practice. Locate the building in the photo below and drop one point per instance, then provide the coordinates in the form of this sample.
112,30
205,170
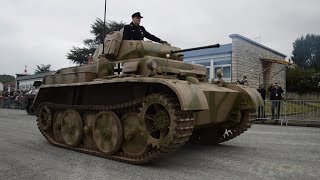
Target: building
25,82
9,86
242,57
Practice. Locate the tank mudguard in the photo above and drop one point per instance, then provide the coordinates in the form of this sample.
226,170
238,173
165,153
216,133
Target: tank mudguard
250,97
190,96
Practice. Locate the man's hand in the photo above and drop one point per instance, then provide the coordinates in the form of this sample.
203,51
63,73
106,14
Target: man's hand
165,42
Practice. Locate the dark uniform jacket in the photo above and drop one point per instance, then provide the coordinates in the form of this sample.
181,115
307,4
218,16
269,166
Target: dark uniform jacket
275,93
133,32
262,92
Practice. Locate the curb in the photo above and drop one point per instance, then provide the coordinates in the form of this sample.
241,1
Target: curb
291,123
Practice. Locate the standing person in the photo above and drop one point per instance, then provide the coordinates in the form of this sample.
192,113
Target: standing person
134,31
262,91
276,98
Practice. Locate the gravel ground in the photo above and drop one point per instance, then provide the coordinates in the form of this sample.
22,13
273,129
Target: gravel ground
264,152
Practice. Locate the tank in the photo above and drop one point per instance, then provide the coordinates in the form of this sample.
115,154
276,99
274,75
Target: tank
139,102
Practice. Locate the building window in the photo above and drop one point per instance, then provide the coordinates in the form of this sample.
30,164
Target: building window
215,63
205,63
222,62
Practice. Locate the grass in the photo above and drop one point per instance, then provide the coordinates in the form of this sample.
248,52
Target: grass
294,107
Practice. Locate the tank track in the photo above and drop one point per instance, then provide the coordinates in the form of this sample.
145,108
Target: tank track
219,134
239,128
184,128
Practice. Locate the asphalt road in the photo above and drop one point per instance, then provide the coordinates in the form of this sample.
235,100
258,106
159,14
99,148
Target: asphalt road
264,152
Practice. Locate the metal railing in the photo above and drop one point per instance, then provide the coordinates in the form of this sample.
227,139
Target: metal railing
284,111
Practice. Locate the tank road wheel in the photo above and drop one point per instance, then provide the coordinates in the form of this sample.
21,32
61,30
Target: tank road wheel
44,118
71,127
57,125
218,134
107,132
135,136
89,119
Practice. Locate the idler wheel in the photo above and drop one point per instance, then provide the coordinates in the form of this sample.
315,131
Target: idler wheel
135,134
44,118
107,132
57,125
71,127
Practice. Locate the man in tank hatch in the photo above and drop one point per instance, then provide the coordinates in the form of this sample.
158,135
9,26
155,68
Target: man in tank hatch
134,31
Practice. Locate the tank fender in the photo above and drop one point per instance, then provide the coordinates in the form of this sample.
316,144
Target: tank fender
190,96
250,96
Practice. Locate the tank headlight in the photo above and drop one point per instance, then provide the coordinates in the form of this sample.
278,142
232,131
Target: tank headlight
152,64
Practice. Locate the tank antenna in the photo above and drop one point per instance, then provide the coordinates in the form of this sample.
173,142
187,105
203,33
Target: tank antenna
104,25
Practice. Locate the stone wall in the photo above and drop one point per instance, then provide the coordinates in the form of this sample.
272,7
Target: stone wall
246,61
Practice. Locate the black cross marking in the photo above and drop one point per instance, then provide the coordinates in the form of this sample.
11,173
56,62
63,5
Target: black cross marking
118,69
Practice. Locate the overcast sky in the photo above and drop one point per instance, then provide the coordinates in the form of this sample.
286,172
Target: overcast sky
37,32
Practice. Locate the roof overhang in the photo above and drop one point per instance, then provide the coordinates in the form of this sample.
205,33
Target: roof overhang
277,61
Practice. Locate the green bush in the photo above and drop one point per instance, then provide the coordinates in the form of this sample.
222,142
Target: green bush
302,81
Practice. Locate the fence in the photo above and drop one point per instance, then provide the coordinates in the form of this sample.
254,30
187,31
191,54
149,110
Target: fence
284,111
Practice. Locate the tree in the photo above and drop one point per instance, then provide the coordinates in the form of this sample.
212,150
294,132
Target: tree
302,80
306,51
79,55
42,68
4,78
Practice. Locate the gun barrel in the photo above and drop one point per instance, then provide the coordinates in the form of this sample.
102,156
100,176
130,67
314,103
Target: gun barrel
196,48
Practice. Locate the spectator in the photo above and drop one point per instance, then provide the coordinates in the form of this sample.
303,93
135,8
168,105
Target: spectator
262,91
276,98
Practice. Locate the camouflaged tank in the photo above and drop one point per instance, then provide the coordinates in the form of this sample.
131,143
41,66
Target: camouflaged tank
138,102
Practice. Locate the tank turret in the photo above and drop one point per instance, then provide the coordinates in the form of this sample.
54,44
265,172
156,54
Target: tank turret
117,49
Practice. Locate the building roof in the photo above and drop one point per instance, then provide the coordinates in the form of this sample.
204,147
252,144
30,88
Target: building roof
225,48
257,44
35,76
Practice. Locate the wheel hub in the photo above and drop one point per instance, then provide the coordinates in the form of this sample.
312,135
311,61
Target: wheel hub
161,120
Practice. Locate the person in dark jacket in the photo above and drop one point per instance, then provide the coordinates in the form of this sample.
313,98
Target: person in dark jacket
276,98
134,31
262,91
